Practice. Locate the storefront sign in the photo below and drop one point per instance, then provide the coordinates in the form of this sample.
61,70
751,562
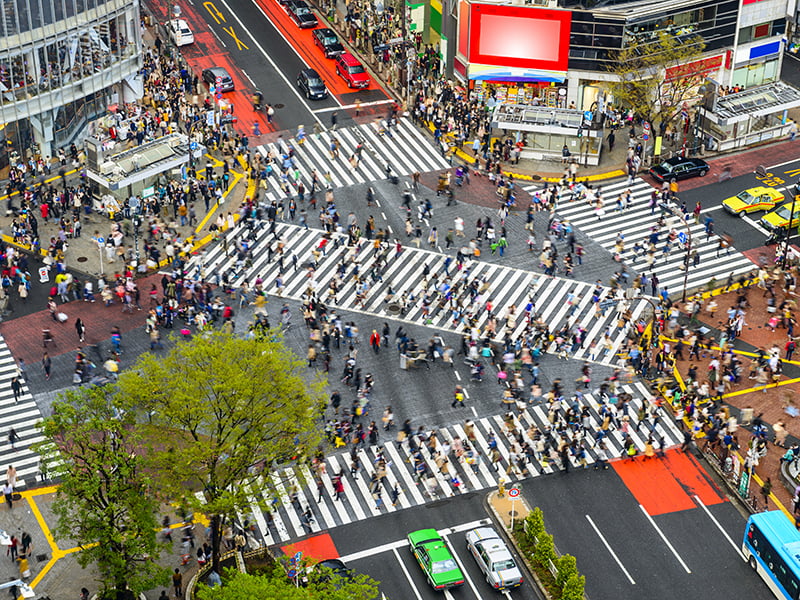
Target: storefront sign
699,68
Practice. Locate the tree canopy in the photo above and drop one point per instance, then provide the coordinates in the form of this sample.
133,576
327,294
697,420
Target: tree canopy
651,80
242,586
104,503
217,412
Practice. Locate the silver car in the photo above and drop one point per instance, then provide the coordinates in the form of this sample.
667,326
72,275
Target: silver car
494,558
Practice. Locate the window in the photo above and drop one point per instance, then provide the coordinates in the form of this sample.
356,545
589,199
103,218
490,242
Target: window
761,31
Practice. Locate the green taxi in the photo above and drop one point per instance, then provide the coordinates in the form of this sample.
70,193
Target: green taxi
435,559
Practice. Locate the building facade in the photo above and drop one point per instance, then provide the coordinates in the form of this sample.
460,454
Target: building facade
62,63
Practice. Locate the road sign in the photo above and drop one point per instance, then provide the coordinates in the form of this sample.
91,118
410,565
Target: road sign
218,80
101,240
588,116
44,274
646,126
682,237
645,136
297,557
193,146
292,573
212,88
513,492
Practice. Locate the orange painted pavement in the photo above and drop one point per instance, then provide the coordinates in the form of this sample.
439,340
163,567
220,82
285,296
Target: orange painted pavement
668,484
318,547
303,42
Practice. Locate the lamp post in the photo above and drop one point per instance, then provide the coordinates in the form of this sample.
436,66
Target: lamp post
689,246
789,230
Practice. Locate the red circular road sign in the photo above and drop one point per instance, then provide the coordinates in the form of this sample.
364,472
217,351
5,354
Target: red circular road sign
513,492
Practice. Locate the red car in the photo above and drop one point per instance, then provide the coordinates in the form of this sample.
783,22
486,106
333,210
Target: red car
352,71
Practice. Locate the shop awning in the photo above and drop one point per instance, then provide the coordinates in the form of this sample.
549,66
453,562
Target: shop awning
495,73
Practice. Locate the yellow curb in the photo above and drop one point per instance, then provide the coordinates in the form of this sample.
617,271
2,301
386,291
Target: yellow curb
522,176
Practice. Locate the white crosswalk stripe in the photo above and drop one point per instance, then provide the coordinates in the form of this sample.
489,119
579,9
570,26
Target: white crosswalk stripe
405,273
357,502
21,416
635,224
406,151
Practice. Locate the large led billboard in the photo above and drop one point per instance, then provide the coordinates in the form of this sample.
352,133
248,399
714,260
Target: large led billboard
519,36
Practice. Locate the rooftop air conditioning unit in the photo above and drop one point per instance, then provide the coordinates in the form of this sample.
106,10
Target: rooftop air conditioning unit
107,167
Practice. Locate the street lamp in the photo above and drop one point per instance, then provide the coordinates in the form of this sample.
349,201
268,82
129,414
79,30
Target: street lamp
675,212
789,227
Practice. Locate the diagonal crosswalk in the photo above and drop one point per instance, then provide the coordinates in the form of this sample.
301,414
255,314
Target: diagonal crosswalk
558,302
289,493
21,416
404,148
635,223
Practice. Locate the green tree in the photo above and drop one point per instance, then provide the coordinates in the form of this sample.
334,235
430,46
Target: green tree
574,587
567,566
644,84
220,411
545,549
104,503
239,586
534,523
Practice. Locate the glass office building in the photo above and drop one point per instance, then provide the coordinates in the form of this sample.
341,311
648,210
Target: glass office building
62,63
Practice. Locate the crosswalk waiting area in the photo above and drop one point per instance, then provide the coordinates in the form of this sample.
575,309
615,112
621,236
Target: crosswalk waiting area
403,148
635,223
557,301
297,506
20,432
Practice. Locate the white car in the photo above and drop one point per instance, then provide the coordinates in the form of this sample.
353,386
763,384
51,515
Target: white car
180,33
494,558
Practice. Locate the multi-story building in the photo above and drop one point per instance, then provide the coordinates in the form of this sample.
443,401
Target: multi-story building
62,63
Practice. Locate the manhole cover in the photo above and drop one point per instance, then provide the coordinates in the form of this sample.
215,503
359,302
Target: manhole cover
393,309
82,259
41,557
277,106
536,177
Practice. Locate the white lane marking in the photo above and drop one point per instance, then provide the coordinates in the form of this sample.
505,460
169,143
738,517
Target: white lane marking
406,573
250,78
755,225
461,566
383,214
216,36
666,541
269,58
719,526
458,377
788,162
390,546
474,412
711,209
346,106
610,551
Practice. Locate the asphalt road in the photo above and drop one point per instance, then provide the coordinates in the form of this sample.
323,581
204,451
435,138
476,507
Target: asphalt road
660,543
745,231
377,547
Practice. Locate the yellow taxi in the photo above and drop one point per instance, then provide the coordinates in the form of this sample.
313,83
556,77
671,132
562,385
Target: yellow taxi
780,217
752,200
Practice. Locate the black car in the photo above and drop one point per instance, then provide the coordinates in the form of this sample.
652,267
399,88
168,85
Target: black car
210,76
309,81
301,14
679,168
326,39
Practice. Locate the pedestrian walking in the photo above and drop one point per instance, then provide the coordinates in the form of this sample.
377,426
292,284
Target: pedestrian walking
46,365
766,490
12,548
177,582
13,438
80,329
8,492
458,397
16,387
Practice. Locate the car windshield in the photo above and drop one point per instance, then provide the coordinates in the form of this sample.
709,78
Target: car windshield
784,212
328,38
355,69
503,565
314,81
185,31
443,566
667,167
747,197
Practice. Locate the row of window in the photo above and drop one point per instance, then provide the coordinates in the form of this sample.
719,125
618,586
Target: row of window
19,16
65,60
763,30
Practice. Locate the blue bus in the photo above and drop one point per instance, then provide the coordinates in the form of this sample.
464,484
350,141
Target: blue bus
772,548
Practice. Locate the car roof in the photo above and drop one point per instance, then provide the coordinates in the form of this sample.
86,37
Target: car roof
326,31
310,73
219,71
349,59
490,542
